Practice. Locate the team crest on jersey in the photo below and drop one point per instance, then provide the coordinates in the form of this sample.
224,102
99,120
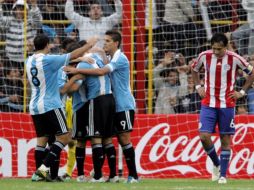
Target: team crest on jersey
226,67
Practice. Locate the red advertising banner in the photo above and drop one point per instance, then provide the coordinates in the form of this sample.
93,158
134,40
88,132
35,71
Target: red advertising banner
166,146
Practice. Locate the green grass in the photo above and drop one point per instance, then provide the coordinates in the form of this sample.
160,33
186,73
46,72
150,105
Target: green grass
145,184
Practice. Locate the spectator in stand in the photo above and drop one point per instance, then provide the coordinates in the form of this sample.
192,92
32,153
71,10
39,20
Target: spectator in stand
178,26
52,10
11,91
170,80
95,24
191,102
15,33
245,34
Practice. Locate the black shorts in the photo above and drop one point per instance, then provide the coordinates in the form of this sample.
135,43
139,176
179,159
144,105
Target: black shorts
124,121
101,116
80,122
50,123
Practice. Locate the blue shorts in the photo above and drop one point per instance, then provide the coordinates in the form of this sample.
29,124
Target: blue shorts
224,117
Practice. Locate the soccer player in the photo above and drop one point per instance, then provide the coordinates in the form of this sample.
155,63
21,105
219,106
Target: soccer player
101,113
119,69
218,99
45,104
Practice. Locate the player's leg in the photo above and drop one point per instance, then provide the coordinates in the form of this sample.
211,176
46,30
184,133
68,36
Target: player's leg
108,146
56,125
110,151
124,125
41,143
227,128
71,158
208,119
97,156
79,132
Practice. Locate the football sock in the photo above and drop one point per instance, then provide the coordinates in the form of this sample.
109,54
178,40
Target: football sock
129,155
224,160
97,160
111,155
213,155
53,154
71,159
54,168
39,155
80,159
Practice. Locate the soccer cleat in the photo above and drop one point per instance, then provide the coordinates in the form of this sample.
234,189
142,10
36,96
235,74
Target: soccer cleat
43,172
57,179
36,178
113,179
66,177
222,180
131,179
101,180
81,179
215,173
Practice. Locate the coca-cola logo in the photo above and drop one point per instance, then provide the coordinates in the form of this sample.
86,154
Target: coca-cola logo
184,153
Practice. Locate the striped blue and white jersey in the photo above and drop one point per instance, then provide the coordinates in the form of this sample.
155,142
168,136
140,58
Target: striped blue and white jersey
79,97
95,85
62,80
120,80
42,72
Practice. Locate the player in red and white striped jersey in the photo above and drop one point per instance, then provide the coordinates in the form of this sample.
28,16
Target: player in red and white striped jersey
219,97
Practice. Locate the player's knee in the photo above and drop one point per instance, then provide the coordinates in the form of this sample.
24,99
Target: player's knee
124,138
204,137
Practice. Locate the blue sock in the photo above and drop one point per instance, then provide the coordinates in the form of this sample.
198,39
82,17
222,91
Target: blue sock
213,155
224,159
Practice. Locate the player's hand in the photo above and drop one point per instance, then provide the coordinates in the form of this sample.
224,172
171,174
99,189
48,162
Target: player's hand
1,1
201,92
14,98
93,40
78,76
235,95
70,70
86,59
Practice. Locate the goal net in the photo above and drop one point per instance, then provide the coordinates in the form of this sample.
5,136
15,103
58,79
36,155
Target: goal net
161,39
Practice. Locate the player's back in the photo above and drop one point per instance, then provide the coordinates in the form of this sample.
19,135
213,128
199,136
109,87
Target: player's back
42,72
95,85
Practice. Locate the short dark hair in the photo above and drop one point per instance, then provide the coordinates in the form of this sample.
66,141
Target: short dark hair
40,42
94,2
66,41
82,42
115,35
218,38
72,46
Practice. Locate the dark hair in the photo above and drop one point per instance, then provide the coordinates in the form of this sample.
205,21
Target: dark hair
115,35
82,42
40,42
66,41
93,2
218,38
72,46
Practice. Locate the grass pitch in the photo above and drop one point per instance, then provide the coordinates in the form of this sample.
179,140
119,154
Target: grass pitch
145,184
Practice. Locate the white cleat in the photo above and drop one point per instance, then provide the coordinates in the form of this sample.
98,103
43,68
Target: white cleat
101,180
113,179
81,179
222,180
215,173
